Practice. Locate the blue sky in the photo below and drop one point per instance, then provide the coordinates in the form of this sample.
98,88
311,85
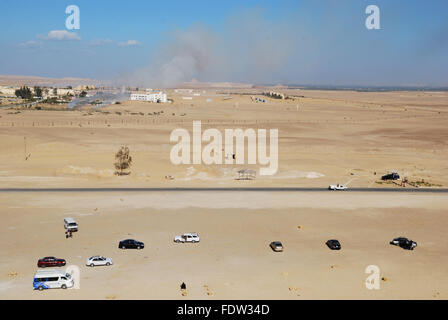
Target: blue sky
301,42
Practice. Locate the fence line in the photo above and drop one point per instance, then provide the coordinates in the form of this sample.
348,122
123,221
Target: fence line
123,123
135,122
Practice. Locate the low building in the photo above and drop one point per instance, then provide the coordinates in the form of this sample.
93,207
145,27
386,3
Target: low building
8,91
65,92
152,97
275,95
85,87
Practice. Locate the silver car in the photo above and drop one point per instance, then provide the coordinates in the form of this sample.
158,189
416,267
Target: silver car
99,261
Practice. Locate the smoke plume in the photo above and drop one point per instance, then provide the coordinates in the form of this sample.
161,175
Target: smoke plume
248,48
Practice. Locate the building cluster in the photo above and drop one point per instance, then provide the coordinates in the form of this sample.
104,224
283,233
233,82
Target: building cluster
84,87
183,91
150,96
7,91
47,92
275,95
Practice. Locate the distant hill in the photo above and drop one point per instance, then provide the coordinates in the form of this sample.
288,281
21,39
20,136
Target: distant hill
16,80
193,84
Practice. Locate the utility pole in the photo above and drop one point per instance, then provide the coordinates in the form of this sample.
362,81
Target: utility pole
26,155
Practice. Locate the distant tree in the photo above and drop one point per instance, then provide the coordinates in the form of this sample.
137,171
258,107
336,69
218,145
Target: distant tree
69,87
82,94
18,93
55,91
24,93
123,161
38,92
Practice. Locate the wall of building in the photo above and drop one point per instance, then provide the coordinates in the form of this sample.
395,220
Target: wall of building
152,97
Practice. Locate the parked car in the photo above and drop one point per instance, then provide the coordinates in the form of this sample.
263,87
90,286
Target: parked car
131,244
70,224
391,176
50,279
337,187
404,243
187,237
397,241
50,262
99,261
333,244
277,246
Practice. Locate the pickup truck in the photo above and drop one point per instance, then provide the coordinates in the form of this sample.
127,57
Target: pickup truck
187,237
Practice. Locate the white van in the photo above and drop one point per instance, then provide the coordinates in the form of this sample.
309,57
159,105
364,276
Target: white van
50,279
70,224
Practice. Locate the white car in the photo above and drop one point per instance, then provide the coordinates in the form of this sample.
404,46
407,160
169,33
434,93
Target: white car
99,261
337,187
187,237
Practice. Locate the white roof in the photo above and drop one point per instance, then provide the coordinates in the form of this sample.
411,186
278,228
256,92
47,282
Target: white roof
69,220
49,272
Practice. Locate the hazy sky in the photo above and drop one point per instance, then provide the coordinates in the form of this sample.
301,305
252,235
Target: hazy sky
296,42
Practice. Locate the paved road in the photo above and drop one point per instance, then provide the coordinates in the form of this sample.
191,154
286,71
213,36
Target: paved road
263,189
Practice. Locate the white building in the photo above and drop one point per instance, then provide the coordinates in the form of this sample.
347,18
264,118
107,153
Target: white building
64,91
153,97
8,91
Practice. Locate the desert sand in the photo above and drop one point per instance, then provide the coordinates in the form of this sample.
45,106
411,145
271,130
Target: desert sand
324,137
233,259
330,137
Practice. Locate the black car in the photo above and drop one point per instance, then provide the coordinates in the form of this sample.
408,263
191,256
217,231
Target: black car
333,244
391,176
131,244
277,246
404,243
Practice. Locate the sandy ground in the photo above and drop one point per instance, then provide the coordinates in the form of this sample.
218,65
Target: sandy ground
324,137
233,260
331,137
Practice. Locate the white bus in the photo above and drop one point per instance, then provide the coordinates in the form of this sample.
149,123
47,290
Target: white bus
50,279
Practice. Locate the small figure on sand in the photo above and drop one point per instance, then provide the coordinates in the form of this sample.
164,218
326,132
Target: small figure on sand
68,234
183,289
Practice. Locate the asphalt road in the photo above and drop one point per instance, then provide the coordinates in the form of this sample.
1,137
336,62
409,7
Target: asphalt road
249,189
